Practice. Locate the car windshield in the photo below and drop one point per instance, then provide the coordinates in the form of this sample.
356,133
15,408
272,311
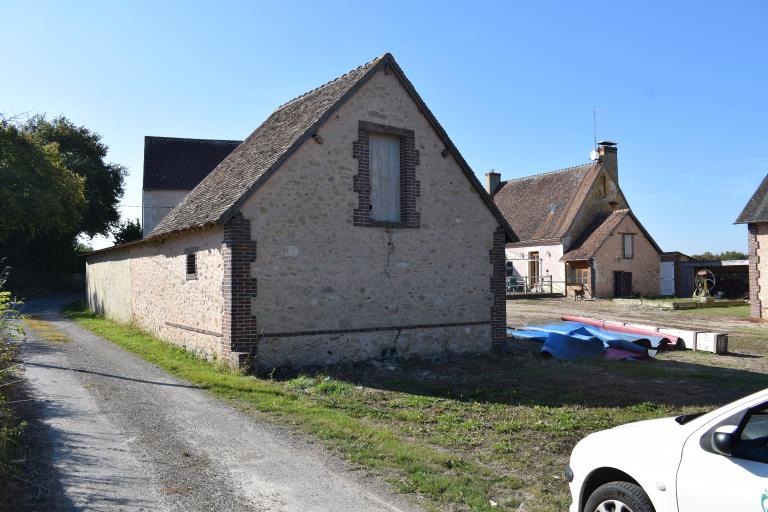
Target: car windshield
685,418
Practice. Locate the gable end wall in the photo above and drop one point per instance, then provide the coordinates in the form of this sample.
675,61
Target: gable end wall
331,290
645,265
594,204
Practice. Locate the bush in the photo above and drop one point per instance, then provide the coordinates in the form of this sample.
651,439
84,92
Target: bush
10,427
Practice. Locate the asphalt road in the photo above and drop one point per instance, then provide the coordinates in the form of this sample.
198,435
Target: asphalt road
125,435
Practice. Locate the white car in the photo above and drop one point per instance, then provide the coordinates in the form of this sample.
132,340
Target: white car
716,462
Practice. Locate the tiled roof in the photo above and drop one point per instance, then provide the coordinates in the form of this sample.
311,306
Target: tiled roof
542,206
598,231
180,164
757,207
220,194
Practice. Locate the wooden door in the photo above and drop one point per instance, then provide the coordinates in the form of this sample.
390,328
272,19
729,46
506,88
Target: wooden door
622,284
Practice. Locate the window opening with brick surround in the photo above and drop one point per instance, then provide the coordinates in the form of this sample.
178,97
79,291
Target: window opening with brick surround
386,197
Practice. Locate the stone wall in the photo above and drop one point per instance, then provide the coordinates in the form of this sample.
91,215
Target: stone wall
108,285
645,265
147,284
758,268
332,291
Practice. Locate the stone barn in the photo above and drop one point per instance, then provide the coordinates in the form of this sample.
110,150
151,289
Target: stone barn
346,227
755,216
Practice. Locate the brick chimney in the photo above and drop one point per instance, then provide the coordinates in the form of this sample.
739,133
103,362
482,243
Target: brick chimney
492,181
607,155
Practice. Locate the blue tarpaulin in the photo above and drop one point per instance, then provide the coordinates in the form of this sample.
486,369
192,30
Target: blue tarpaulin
575,340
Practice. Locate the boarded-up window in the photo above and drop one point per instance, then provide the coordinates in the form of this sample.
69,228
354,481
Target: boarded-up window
629,248
385,177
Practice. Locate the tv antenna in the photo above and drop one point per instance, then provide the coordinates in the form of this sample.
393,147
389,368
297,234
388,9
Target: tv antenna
594,124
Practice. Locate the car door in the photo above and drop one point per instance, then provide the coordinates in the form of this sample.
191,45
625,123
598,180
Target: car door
707,480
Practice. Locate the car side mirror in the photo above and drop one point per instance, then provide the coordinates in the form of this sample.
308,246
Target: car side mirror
724,439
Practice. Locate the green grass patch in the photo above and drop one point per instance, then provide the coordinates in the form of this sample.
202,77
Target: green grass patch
730,311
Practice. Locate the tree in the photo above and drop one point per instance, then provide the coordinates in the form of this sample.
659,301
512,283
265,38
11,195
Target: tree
127,231
39,196
725,255
82,152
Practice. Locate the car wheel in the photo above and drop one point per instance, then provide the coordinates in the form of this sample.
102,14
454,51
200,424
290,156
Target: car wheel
619,497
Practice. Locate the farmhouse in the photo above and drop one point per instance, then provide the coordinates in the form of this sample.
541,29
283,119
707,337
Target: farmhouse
577,232
347,226
755,216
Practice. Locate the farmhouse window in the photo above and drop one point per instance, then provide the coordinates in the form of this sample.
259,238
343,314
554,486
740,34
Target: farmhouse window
386,182
628,245
578,275
191,265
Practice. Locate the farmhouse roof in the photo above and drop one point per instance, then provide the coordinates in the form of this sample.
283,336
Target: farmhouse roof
172,163
756,209
543,206
220,194
598,231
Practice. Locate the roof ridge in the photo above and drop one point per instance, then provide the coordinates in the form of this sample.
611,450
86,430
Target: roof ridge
546,173
190,138
311,91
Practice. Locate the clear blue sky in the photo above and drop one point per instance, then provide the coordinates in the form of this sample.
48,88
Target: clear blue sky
682,87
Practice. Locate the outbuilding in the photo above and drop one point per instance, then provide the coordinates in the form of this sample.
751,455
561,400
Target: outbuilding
346,227
755,216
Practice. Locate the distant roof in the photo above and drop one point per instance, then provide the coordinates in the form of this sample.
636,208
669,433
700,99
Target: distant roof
220,194
757,207
543,206
598,231
180,164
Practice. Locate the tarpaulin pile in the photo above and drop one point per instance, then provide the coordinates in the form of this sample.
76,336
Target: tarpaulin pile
577,340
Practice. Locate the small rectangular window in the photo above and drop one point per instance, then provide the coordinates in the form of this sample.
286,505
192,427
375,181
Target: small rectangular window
385,177
192,265
629,248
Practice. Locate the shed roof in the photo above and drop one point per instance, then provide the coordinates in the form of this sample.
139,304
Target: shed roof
598,231
756,209
220,194
172,163
543,206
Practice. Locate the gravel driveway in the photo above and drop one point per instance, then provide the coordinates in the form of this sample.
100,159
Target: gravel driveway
127,436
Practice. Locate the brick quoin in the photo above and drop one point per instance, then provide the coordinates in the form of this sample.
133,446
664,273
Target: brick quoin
239,329
409,185
498,288
754,272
